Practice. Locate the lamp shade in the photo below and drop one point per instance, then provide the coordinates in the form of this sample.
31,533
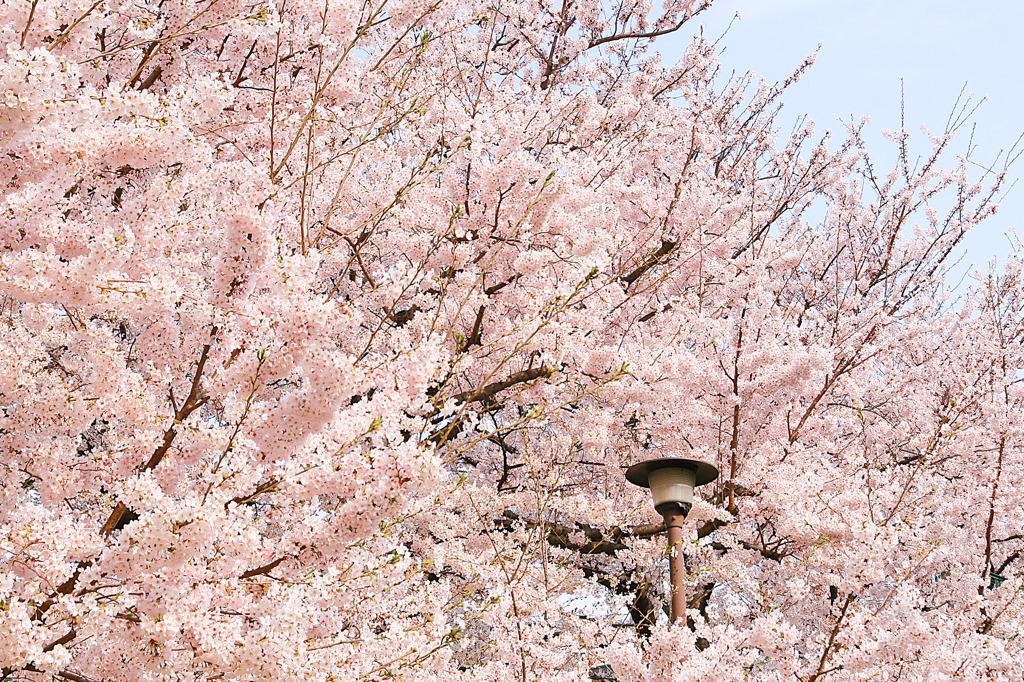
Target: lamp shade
672,484
671,479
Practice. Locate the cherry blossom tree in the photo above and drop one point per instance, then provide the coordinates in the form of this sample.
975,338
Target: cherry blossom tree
328,329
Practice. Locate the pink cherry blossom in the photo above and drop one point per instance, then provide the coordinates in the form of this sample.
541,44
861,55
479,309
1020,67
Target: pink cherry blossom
326,331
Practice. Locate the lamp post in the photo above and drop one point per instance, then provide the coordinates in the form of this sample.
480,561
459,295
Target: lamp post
672,481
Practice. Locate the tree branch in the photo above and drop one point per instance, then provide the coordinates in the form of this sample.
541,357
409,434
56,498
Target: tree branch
666,248
191,404
490,390
263,570
831,641
648,34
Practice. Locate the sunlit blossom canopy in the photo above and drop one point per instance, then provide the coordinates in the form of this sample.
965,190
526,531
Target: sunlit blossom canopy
328,329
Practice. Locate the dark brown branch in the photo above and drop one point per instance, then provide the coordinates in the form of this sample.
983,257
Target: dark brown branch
193,402
1009,560
241,70
565,23
490,390
474,338
64,639
266,486
69,636
710,527
641,35
597,541
65,587
114,519
1009,538
263,570
401,317
666,248
66,674
560,536
700,603
766,552
506,467
28,23
500,285
643,610
151,78
74,677
454,427
831,641
354,245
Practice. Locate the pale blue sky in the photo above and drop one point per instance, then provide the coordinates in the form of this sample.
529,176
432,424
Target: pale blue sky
867,46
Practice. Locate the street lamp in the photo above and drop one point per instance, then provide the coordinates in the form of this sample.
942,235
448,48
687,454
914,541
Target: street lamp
672,481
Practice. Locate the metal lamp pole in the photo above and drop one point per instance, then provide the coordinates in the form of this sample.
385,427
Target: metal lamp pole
672,481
